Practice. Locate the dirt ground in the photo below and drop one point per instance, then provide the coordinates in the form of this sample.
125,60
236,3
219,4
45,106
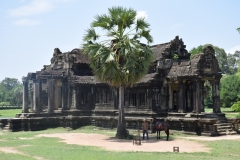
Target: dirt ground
185,144
108,143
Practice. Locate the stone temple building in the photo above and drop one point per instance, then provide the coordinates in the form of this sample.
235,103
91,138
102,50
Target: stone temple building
173,84
173,90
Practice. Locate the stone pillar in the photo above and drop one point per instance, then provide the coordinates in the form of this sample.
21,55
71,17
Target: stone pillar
50,95
126,98
64,95
216,95
181,96
74,98
69,100
137,99
57,94
202,96
25,95
37,89
196,96
170,99
164,98
149,98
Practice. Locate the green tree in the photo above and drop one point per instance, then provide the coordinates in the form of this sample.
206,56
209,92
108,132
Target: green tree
197,50
18,94
229,91
10,89
233,61
238,29
118,58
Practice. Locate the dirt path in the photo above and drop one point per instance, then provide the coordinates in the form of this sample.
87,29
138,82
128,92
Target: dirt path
108,143
185,144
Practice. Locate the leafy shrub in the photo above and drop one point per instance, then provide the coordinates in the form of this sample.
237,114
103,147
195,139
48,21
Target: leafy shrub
236,106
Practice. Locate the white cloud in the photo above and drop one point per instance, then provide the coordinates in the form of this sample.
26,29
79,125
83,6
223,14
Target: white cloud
141,14
35,7
233,49
27,22
175,26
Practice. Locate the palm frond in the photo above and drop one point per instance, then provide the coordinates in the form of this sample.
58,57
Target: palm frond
90,35
146,35
102,21
141,24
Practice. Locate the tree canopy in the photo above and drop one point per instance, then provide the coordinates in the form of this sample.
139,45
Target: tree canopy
117,57
10,92
229,91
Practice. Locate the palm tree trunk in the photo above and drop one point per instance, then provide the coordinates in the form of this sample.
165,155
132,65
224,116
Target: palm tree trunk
121,106
121,129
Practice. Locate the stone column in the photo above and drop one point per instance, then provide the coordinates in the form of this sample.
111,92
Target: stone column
74,98
149,98
64,95
170,99
137,99
126,98
216,95
196,96
202,96
25,95
181,96
69,100
37,88
50,95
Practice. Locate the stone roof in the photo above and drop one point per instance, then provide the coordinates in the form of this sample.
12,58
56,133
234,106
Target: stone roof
147,78
93,80
159,49
180,69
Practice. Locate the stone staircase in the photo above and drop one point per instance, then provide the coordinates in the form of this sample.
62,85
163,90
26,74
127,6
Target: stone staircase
223,127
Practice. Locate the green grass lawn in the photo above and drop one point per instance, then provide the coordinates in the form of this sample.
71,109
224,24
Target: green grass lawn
32,147
9,113
228,112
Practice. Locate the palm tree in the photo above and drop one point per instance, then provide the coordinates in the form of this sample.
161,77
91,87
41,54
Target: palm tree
118,58
238,29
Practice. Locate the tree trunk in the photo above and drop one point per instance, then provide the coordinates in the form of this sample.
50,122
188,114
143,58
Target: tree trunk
121,129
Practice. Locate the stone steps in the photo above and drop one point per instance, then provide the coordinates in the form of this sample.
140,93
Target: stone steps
224,128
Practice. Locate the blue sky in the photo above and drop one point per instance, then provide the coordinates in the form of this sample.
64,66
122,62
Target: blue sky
31,29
